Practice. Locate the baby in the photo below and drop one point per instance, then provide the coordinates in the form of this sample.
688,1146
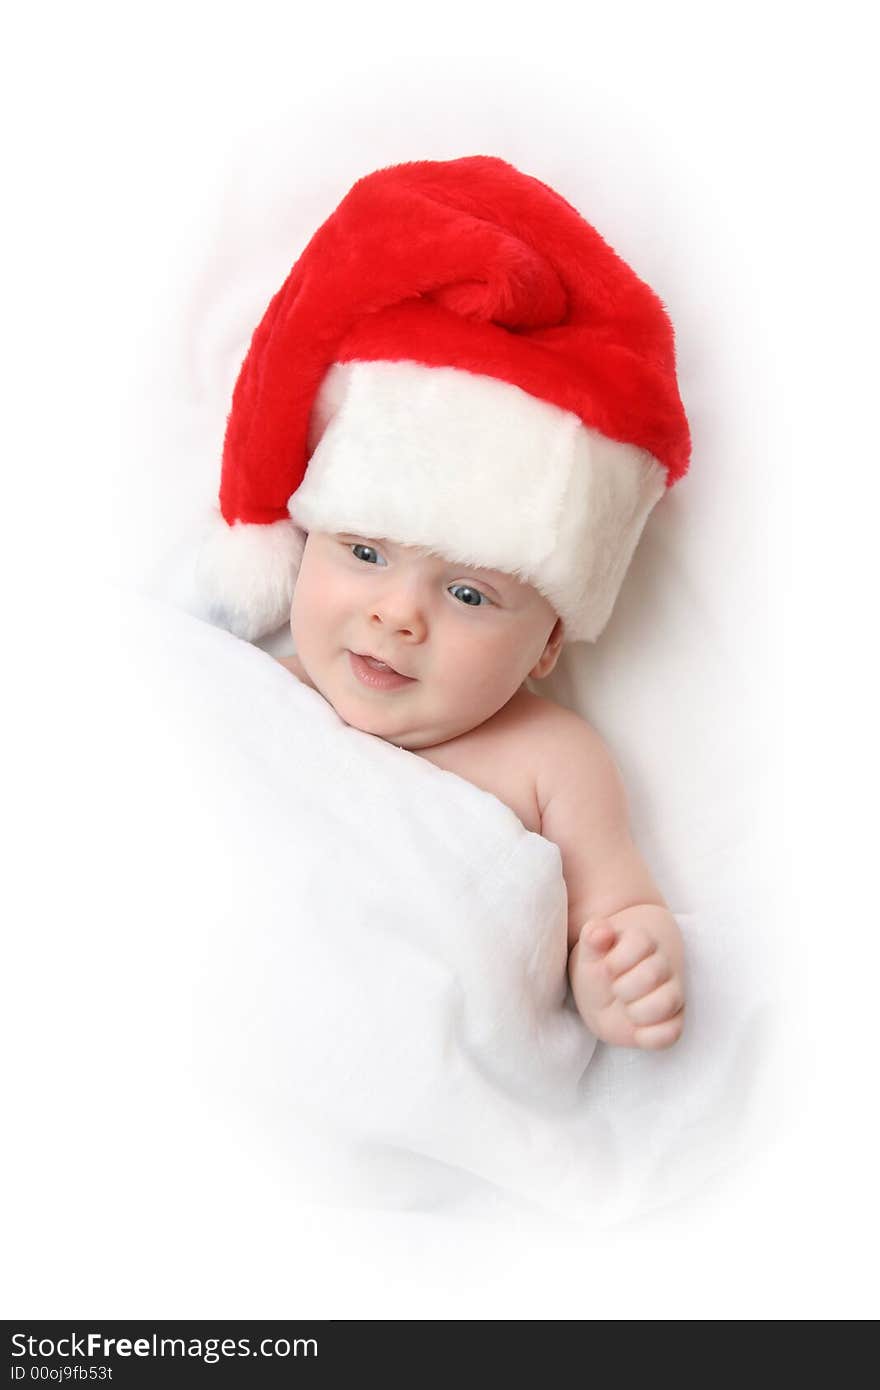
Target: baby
446,437
432,657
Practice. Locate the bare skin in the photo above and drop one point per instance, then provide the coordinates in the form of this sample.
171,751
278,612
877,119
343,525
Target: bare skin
466,710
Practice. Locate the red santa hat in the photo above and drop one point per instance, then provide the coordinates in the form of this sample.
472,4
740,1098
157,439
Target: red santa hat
456,361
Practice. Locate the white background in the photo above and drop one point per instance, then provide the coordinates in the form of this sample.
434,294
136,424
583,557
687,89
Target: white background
735,142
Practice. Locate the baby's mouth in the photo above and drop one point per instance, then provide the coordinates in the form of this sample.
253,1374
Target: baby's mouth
378,665
373,672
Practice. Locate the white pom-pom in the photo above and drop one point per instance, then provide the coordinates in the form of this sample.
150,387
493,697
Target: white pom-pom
246,573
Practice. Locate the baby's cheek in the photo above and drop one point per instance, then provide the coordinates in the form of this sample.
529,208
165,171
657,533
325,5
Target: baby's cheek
306,618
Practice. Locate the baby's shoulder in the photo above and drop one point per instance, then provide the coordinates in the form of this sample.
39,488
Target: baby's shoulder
568,754
554,728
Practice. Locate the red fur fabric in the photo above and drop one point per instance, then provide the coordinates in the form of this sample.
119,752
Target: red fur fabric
462,263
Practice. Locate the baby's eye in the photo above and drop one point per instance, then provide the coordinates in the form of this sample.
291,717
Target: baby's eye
367,553
468,595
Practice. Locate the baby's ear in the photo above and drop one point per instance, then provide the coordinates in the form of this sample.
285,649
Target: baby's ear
550,654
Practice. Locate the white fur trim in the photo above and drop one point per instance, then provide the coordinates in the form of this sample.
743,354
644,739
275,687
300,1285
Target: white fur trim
246,575
482,472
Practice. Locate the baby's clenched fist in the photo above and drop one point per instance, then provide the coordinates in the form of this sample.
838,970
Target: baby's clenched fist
626,974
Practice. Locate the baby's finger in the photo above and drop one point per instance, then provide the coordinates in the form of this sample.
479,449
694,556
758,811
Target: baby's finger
657,1007
596,939
656,1036
633,945
645,977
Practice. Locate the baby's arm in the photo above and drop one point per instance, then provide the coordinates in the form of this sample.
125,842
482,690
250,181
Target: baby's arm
626,955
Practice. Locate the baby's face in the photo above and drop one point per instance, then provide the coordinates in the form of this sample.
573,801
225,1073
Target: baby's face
466,638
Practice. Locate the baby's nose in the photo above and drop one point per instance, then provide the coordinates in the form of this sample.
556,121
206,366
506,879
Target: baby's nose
402,613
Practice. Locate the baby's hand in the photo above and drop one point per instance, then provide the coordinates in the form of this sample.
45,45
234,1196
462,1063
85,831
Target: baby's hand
626,975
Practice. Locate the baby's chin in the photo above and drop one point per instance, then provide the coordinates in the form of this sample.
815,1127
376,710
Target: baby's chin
387,720
403,734
413,740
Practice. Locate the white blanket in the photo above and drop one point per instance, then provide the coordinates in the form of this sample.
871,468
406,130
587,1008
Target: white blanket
354,962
